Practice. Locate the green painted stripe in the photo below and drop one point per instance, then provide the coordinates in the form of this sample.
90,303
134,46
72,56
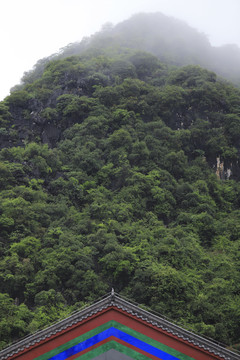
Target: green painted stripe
118,326
152,342
74,341
112,345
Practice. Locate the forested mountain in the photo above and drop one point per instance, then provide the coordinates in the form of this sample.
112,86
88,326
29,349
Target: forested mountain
118,170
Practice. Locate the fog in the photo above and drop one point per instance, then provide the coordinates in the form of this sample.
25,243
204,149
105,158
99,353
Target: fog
33,29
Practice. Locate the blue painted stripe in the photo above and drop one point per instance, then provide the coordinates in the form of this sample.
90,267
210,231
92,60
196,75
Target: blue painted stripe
143,346
118,334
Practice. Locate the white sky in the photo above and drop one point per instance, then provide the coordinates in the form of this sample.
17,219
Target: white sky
33,29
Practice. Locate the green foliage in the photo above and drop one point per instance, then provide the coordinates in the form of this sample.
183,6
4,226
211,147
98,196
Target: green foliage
122,172
19,98
14,319
5,115
191,76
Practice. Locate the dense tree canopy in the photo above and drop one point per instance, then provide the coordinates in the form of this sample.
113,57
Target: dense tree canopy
119,171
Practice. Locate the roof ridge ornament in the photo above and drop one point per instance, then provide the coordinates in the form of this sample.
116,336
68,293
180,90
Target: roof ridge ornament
112,295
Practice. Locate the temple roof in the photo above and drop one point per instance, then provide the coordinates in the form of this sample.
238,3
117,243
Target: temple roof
114,301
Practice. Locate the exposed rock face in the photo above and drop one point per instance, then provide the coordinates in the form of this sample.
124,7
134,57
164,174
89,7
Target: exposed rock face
222,172
29,123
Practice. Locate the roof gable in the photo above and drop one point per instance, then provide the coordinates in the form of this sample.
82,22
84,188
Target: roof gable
115,326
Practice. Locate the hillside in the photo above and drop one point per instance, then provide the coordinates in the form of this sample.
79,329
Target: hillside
118,170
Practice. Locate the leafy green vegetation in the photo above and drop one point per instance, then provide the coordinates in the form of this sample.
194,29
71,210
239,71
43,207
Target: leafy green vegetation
119,171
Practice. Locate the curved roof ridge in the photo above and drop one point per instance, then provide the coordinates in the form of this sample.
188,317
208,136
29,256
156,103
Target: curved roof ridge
176,330
55,328
115,300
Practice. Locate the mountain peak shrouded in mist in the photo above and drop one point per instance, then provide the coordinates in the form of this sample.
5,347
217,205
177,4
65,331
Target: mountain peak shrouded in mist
120,168
155,25
173,41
